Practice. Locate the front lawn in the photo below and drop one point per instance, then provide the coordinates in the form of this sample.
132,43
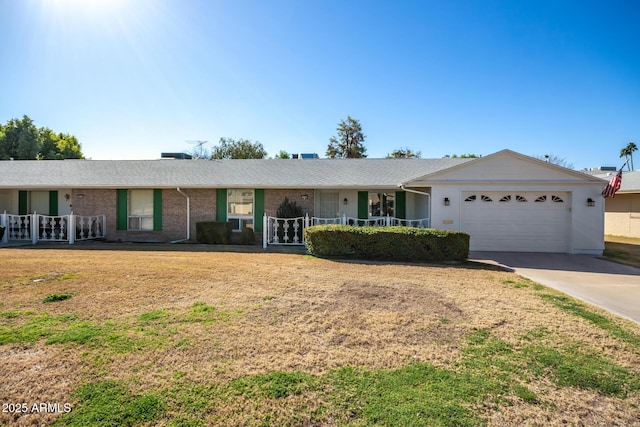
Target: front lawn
187,337
622,249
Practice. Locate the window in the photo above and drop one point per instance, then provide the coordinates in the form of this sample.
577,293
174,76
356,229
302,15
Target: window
140,210
381,204
485,198
240,208
471,198
328,204
520,198
541,199
506,198
556,199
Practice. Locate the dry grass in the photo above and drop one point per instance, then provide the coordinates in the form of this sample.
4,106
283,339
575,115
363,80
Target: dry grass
216,317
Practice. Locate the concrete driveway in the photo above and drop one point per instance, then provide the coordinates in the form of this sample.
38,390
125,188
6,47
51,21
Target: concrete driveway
611,286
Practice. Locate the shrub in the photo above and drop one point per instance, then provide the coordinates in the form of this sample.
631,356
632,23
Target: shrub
387,243
213,232
247,236
289,209
56,297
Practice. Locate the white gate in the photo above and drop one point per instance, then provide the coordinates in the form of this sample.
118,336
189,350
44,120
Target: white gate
284,231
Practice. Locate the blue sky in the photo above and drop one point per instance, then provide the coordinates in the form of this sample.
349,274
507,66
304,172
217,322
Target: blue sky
134,78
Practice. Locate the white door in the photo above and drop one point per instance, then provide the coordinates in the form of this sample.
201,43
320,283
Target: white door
517,221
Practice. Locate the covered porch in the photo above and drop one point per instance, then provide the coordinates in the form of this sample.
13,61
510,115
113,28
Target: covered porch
364,208
37,215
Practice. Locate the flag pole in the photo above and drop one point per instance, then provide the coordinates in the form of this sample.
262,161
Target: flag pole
614,185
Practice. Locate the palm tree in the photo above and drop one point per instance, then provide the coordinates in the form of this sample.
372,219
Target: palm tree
631,147
628,153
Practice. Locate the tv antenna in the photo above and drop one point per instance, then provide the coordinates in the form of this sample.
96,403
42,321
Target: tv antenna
198,151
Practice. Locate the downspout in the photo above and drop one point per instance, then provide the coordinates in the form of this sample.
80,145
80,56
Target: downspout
188,218
402,187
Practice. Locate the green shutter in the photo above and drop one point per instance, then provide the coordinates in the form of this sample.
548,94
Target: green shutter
401,204
157,210
53,203
23,202
258,203
122,210
221,204
363,204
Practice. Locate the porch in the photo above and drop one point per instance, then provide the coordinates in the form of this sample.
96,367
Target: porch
290,231
36,228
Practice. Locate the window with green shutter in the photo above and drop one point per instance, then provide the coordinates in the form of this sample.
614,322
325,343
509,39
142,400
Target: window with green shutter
139,210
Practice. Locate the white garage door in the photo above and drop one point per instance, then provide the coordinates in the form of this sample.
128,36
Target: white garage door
520,222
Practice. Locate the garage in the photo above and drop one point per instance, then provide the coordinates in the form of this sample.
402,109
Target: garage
517,221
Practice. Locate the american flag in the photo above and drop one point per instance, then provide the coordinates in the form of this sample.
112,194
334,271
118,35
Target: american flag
614,185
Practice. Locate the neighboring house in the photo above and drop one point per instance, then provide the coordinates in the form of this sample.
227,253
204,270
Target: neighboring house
506,201
622,212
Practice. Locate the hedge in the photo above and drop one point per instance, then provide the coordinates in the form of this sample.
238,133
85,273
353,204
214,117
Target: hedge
387,243
213,232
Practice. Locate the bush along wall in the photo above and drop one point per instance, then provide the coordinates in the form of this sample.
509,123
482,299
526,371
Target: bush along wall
387,243
213,232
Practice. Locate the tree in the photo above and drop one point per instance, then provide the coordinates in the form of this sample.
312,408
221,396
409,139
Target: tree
282,155
350,140
465,156
20,139
556,160
240,149
627,152
404,153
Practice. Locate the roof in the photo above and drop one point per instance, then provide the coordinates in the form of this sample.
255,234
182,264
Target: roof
630,181
266,173
507,167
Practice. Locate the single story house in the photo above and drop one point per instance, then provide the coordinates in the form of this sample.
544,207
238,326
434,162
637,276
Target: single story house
506,201
622,212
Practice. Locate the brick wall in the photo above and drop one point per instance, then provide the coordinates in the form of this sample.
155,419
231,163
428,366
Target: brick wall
273,199
174,213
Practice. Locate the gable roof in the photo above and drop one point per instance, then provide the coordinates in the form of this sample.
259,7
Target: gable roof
506,166
265,173
630,181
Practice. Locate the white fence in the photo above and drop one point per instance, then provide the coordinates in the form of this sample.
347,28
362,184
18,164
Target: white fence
290,231
47,228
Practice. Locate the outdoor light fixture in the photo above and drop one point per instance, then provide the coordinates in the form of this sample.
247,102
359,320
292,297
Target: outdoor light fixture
591,202
305,197
447,202
80,196
67,196
345,201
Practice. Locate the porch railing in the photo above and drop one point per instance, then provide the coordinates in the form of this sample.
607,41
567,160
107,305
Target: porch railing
52,228
290,231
